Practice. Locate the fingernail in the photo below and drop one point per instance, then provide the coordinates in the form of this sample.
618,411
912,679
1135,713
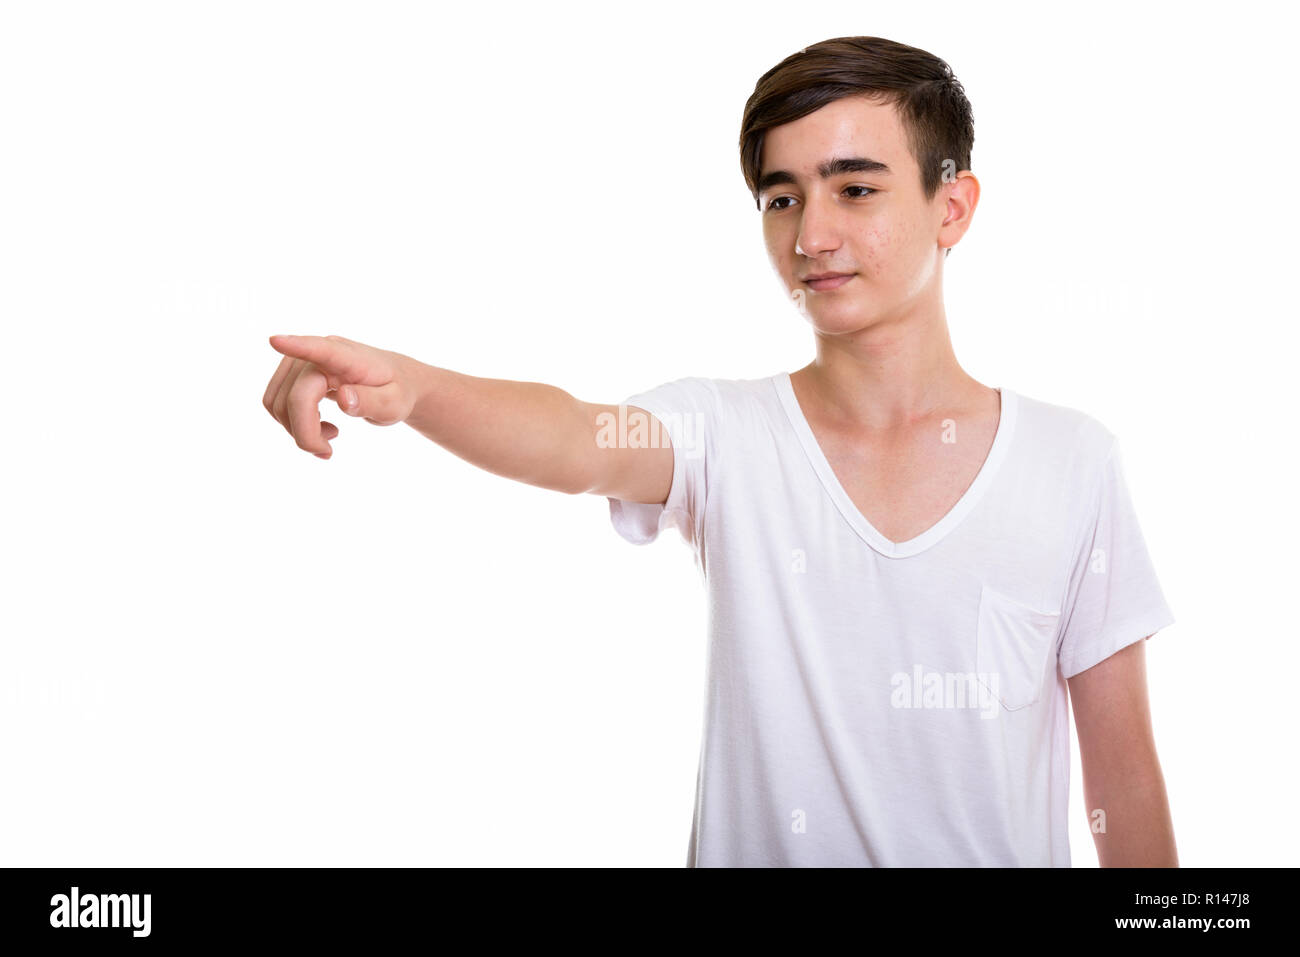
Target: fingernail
323,455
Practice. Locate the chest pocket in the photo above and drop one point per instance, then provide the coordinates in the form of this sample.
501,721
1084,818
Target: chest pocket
1012,645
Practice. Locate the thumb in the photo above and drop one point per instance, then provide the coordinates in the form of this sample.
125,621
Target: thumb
376,403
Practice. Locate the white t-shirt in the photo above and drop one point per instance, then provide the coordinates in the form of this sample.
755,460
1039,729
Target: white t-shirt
880,704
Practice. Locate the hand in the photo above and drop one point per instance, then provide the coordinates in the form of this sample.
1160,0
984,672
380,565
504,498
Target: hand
370,383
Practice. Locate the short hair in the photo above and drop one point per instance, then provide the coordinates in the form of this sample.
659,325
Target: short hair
931,103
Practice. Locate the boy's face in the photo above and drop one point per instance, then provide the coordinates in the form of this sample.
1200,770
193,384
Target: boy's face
888,239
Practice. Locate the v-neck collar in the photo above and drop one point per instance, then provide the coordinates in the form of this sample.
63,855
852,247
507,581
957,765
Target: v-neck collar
821,465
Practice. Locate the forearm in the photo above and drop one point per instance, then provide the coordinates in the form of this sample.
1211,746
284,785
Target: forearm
527,431
1138,829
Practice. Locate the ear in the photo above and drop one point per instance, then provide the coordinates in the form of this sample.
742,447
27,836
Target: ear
959,199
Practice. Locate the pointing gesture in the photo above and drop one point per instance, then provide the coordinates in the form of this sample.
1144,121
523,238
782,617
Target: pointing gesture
365,382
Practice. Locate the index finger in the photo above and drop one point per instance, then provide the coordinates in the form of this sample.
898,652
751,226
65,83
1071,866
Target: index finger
331,353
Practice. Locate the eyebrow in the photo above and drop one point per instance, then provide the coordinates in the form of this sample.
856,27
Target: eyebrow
828,168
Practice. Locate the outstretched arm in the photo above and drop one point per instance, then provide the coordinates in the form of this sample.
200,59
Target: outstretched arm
527,431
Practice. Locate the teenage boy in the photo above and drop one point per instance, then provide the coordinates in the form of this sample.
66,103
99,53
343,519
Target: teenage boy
909,572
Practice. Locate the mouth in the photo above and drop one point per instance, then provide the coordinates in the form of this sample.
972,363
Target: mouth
821,282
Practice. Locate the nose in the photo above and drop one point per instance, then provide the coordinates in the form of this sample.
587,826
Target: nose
819,230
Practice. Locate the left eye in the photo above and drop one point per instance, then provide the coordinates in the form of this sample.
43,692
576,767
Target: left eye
867,188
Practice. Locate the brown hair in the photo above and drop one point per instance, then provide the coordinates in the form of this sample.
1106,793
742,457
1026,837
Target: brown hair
930,101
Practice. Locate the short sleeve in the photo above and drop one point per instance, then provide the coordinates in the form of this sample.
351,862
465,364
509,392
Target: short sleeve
1115,598
690,410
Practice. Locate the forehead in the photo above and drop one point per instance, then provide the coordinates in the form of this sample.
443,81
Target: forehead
850,126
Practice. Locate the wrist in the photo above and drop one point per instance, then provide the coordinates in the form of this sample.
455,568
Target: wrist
419,384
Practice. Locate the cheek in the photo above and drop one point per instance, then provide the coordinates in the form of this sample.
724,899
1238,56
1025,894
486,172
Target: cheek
884,243
777,252
878,248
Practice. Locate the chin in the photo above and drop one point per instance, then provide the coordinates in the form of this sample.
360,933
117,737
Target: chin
840,318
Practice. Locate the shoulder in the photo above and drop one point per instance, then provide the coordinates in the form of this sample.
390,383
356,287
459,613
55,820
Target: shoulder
723,397
1070,436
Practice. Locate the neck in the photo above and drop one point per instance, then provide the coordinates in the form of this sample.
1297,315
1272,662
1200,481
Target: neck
890,375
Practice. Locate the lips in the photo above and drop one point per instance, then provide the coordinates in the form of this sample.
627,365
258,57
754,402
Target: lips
828,280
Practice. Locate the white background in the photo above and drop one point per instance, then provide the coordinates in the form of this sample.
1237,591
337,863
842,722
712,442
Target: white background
217,649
